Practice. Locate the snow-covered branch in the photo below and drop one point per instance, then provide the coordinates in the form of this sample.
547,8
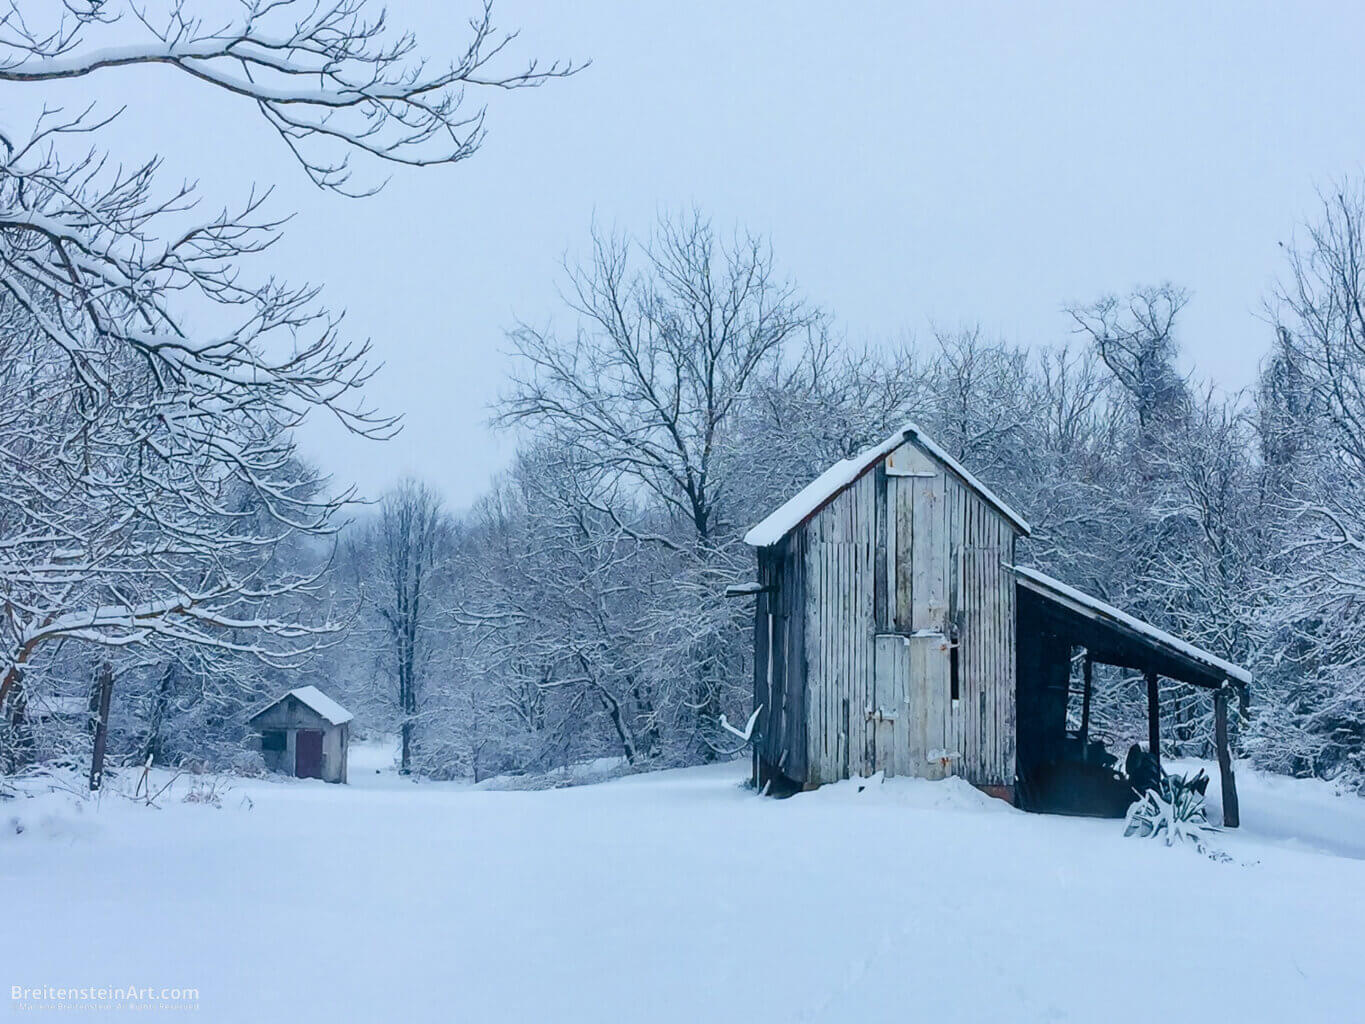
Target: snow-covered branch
331,79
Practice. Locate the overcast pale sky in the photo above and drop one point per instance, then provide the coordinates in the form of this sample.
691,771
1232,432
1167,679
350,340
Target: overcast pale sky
911,162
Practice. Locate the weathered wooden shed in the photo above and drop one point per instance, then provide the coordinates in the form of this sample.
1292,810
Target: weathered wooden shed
884,631
893,631
305,734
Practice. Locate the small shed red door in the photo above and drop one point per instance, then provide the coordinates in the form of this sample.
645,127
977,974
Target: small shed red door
308,754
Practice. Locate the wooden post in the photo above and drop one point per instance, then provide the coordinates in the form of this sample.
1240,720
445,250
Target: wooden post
101,726
1154,719
761,655
1085,701
1232,816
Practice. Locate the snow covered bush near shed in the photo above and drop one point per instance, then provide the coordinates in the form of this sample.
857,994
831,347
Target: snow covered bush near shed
1175,814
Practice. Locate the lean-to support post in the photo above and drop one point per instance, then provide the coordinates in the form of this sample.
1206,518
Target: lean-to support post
1085,700
1154,719
1232,816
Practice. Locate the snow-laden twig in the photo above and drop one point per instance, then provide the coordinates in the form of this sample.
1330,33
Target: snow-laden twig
748,727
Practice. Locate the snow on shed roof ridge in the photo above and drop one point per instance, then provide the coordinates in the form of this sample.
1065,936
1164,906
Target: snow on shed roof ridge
312,697
791,513
1149,631
322,704
808,500
987,495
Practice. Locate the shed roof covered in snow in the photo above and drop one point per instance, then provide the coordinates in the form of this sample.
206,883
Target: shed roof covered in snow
829,484
314,699
1115,637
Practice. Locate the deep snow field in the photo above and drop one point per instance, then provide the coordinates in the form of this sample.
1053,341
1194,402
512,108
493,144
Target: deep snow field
680,896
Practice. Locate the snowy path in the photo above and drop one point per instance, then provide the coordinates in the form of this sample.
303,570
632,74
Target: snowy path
680,897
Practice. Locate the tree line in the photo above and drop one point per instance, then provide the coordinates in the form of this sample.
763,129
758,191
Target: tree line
576,609
163,542
157,527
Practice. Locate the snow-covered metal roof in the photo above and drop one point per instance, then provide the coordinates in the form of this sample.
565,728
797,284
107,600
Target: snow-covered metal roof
1093,607
811,498
312,697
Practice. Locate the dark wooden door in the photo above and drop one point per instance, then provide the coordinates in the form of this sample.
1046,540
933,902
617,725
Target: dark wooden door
308,754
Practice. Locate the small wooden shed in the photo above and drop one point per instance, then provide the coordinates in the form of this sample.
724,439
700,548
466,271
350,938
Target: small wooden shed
884,632
887,631
305,734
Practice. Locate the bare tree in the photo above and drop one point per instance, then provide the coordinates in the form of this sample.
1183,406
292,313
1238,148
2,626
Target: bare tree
672,331
1136,339
329,77
1313,436
407,549
1320,310
148,475
976,404
560,600
1070,477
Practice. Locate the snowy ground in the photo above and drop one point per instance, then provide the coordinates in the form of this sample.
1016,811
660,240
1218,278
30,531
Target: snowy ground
679,896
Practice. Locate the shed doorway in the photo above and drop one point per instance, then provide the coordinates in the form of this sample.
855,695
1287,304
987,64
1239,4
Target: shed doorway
308,754
915,730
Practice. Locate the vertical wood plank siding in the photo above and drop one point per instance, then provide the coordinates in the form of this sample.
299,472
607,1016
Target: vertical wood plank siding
985,616
779,660
896,552
840,612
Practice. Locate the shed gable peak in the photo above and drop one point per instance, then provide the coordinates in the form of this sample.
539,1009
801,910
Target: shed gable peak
833,481
314,700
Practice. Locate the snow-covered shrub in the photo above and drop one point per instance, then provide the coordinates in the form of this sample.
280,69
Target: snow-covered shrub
1176,813
206,791
248,763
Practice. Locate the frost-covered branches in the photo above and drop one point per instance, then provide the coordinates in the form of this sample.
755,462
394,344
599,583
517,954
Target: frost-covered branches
150,385
1321,310
117,527
1135,336
402,557
557,600
1312,439
150,469
646,400
662,357
331,78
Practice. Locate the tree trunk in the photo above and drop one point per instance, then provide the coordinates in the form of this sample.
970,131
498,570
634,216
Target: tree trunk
613,708
106,691
653,738
152,748
20,746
